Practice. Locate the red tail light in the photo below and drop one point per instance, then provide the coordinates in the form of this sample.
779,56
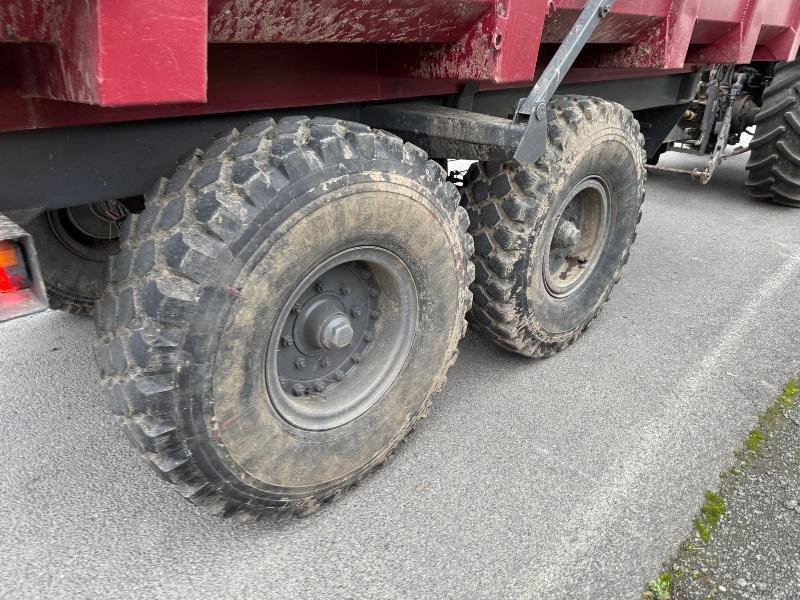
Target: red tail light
13,275
21,287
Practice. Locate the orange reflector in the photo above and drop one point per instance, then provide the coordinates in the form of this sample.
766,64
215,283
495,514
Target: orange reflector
8,254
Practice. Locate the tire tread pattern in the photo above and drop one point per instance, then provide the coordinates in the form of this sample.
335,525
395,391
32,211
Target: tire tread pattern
192,224
773,168
506,205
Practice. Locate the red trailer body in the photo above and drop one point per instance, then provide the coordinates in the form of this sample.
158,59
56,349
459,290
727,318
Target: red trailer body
157,58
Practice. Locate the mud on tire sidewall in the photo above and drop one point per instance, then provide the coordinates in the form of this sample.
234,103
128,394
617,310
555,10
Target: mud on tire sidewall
258,454
609,155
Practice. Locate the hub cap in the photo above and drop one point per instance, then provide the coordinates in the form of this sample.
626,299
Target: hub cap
341,338
576,237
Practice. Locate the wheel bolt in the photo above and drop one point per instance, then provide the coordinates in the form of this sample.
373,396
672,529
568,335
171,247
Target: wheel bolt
300,363
319,387
566,236
357,358
298,390
338,376
345,289
356,311
288,340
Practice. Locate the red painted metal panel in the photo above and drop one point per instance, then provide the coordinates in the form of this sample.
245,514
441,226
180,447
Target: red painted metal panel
151,51
343,21
650,34
26,21
109,52
119,53
501,47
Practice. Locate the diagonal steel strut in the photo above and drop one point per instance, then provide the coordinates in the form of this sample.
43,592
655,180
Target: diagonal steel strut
534,107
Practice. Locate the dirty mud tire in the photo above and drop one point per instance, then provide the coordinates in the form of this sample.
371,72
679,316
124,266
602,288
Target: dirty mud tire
773,168
204,343
72,259
531,296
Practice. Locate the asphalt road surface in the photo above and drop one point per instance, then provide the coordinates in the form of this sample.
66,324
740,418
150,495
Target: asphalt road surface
571,477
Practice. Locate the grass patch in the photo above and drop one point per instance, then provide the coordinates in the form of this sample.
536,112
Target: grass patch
713,509
768,419
663,587
659,588
789,393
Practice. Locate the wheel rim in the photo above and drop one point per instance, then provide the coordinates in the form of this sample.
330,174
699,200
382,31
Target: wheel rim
576,237
342,337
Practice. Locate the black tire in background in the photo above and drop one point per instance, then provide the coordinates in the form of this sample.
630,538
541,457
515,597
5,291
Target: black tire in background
228,376
551,238
773,169
73,246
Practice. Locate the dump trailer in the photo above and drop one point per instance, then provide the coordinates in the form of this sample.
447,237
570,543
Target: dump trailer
252,198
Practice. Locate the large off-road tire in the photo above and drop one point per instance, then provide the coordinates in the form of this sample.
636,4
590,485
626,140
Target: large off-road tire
282,312
73,246
537,285
773,169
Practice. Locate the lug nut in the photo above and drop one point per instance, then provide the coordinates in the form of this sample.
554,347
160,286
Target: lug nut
357,358
297,308
325,362
373,292
319,286
336,332
300,363
298,390
374,314
566,236
356,311
319,387
369,336
345,289
338,376
288,340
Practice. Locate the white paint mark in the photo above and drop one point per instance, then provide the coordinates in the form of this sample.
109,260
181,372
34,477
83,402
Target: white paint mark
609,500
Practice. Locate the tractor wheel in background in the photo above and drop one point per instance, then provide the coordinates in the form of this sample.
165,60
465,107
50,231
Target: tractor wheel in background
282,312
773,169
551,238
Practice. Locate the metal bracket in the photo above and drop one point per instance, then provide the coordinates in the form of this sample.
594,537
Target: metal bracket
445,132
718,154
466,98
533,109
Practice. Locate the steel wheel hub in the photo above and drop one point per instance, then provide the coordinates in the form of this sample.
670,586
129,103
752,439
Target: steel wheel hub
341,338
576,237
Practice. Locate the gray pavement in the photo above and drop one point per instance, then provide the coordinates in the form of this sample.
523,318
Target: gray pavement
571,477
751,553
